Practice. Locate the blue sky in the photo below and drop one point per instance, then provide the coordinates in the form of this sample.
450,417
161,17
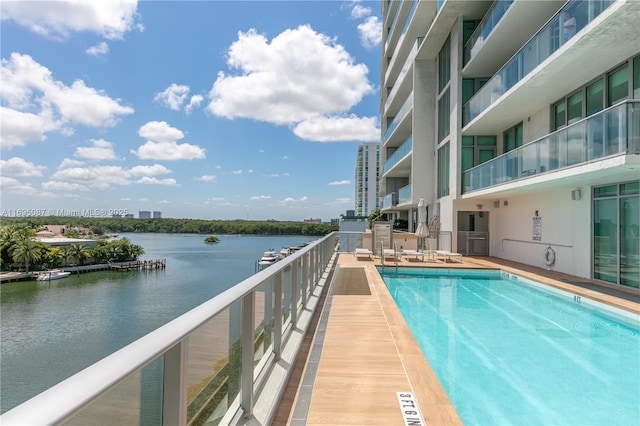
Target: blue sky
198,109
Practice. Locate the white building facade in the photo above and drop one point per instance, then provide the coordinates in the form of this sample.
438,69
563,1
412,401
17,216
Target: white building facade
367,182
518,122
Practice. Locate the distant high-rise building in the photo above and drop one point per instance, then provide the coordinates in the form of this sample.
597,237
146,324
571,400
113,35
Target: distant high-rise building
144,214
366,180
157,215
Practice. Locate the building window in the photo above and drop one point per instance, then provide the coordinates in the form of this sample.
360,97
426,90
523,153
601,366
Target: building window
477,150
443,171
636,77
444,115
616,240
513,138
618,85
444,65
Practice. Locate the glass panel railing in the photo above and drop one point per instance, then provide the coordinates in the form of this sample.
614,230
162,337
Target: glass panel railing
390,200
404,194
406,107
491,19
613,131
398,154
405,69
393,25
546,41
439,4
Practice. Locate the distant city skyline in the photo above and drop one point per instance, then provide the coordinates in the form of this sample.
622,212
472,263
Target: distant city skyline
212,110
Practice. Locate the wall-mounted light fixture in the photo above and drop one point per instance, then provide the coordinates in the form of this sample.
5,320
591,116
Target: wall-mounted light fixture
576,195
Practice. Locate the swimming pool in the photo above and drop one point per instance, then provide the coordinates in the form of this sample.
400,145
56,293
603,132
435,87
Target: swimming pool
511,351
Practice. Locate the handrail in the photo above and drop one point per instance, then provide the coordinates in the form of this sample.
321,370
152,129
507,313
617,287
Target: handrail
610,132
83,390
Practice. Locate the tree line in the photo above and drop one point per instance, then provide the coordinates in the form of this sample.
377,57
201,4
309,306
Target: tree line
18,248
101,226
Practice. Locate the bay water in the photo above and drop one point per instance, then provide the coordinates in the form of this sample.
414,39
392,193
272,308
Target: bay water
52,330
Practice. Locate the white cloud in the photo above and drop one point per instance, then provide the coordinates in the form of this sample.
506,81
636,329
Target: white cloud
162,143
155,181
236,172
36,103
291,200
160,131
169,151
156,169
14,186
173,96
261,197
69,162
100,151
63,186
101,177
18,128
370,32
343,200
109,19
335,129
280,82
358,11
195,102
340,182
17,166
99,49
206,178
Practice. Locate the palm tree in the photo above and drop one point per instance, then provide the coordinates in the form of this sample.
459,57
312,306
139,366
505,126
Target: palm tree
53,256
26,250
79,251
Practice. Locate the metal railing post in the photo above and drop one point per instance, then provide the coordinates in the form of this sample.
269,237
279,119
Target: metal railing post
174,395
278,318
294,292
304,284
246,378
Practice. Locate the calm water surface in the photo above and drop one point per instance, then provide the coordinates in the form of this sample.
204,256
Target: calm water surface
51,330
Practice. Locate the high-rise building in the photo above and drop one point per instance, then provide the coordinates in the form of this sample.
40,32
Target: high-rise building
518,122
367,183
144,214
157,214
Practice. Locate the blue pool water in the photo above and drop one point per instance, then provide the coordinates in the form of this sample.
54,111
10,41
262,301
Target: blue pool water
510,352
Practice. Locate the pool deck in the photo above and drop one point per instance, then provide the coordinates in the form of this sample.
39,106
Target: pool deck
359,352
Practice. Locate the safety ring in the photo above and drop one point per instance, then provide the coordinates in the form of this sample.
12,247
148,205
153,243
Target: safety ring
549,256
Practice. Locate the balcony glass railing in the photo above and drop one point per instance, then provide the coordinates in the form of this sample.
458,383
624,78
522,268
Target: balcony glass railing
439,4
546,41
405,69
389,200
393,25
406,107
488,23
205,366
398,154
614,131
404,194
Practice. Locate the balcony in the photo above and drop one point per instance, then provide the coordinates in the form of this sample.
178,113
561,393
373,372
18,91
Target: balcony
404,111
546,42
612,132
404,195
482,32
210,364
389,200
398,154
408,63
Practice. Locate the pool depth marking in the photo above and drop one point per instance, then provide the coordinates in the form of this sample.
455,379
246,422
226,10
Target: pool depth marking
409,408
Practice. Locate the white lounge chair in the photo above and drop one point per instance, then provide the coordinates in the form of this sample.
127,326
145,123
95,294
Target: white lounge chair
363,253
389,254
413,254
446,255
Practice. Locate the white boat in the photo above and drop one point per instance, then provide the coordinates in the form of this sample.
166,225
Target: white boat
54,274
269,257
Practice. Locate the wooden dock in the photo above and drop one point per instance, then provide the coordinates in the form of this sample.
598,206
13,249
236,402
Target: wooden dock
139,265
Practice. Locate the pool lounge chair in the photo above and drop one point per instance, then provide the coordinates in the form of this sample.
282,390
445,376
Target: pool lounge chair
447,255
413,254
363,253
389,254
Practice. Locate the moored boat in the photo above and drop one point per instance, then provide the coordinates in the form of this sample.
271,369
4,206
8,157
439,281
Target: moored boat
53,274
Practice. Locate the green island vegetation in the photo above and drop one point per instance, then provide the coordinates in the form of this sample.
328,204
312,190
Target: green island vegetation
18,250
106,225
212,239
